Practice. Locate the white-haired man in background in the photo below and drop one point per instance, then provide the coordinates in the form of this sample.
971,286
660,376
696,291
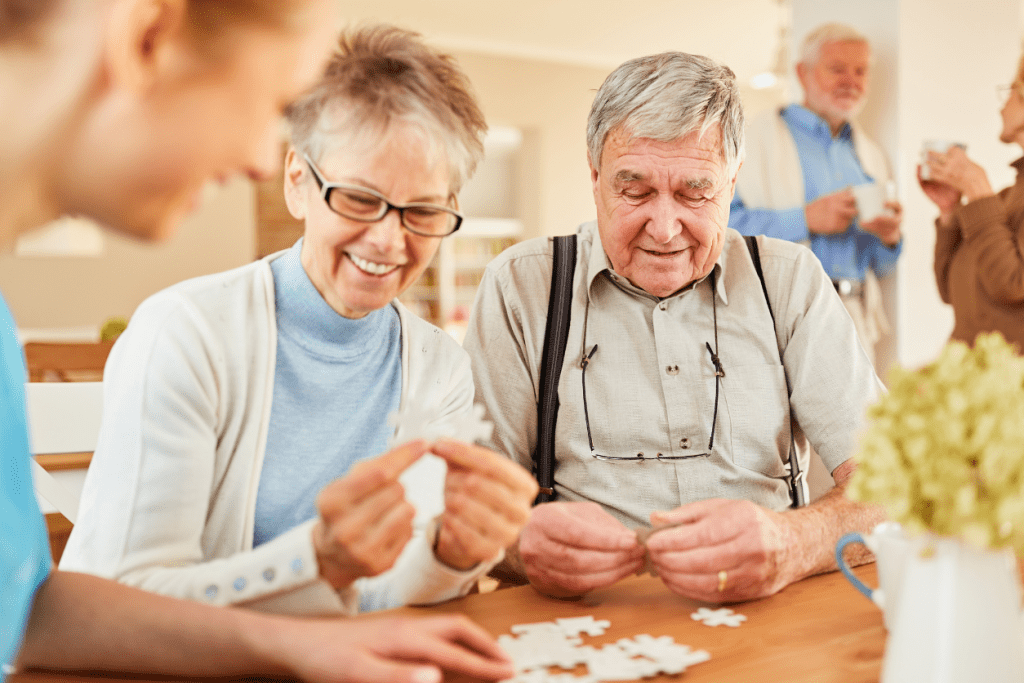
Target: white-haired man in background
802,161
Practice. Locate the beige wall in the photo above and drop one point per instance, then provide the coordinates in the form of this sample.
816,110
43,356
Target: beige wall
59,292
549,103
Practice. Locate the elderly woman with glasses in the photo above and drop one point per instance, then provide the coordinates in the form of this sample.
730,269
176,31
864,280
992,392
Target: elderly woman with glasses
979,245
244,411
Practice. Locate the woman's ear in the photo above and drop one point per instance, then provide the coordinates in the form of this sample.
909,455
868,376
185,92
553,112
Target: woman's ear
141,36
296,175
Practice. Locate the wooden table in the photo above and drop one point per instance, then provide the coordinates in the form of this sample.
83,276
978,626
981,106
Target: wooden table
818,630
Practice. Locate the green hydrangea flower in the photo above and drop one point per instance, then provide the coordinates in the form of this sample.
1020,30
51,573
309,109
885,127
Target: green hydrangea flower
944,449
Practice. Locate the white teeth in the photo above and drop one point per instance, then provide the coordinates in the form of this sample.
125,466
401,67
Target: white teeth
371,267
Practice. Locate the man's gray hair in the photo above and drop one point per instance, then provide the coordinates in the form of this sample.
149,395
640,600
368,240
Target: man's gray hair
810,53
666,97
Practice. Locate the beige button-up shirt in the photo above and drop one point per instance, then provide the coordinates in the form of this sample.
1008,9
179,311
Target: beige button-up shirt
650,387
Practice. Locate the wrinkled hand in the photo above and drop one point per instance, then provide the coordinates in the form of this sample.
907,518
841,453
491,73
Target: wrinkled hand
572,548
365,520
831,214
886,227
388,650
955,169
745,540
487,500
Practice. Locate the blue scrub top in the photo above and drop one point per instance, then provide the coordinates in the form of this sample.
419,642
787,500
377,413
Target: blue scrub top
24,547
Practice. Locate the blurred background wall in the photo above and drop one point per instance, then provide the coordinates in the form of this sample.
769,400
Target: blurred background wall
536,64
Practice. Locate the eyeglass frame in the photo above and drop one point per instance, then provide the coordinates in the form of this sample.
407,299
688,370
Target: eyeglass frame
1004,91
640,457
326,187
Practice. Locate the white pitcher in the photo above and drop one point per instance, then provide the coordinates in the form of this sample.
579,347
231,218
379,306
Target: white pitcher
958,618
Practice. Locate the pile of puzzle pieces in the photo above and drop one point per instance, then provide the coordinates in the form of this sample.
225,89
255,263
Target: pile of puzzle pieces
558,643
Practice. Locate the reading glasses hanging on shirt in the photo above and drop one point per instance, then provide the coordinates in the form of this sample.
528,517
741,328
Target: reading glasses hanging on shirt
719,374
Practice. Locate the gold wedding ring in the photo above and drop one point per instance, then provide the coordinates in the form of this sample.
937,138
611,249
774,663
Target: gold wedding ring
722,577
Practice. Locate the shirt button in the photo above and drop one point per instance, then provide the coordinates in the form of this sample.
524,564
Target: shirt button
684,443
672,369
663,306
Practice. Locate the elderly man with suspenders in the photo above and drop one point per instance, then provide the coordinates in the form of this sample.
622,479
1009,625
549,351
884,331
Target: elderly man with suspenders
657,370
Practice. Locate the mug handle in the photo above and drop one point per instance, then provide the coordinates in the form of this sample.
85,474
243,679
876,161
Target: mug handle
853,537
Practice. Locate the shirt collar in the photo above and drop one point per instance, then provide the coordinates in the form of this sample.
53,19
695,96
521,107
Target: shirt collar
805,119
599,263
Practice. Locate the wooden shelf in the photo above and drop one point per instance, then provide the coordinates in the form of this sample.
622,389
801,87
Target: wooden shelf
56,462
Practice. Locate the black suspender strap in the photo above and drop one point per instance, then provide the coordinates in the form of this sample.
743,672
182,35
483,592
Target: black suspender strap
555,337
796,477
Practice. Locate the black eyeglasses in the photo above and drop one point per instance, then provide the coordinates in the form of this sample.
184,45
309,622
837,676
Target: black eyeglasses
366,206
719,374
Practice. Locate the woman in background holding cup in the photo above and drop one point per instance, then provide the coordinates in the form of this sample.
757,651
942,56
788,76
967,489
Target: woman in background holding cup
979,245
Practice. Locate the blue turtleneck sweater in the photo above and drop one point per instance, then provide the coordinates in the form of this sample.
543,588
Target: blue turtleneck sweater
335,383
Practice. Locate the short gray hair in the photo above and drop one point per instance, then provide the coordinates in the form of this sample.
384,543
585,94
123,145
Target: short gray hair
382,76
666,97
810,53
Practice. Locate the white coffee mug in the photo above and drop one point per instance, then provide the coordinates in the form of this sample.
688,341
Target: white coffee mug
940,146
890,547
870,201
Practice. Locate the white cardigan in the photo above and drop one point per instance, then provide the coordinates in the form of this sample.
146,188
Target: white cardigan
169,500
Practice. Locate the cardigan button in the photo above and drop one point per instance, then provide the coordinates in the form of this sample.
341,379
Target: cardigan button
210,592
239,584
269,574
297,565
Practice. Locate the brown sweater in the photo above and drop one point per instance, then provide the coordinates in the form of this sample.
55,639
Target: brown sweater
979,264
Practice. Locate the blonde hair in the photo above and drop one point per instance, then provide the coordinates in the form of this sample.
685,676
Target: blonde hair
381,76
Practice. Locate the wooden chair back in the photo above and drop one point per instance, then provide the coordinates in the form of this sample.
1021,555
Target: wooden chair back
66,361
64,424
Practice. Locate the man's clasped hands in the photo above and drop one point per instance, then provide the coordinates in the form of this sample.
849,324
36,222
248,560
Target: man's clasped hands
713,550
